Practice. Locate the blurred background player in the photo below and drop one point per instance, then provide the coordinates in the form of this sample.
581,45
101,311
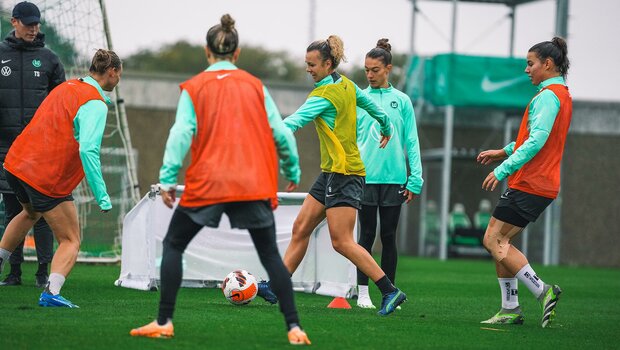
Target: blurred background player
337,192
30,72
68,128
533,171
387,185
230,122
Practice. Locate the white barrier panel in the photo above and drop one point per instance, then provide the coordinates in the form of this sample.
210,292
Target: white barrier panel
213,253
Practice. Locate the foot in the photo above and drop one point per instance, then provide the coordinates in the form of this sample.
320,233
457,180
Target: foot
49,300
514,316
364,302
391,301
154,330
298,337
549,302
41,280
264,291
11,280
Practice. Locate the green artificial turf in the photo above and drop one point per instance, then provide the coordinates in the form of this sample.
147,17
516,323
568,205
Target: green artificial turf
447,300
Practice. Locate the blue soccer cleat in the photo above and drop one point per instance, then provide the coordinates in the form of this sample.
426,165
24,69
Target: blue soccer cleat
391,301
50,300
264,291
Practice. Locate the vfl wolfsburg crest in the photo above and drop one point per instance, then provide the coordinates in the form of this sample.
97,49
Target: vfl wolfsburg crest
36,62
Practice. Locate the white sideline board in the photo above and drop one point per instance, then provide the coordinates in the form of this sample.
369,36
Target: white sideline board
213,253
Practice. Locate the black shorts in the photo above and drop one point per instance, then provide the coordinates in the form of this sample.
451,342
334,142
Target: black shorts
383,195
26,194
338,190
520,208
242,215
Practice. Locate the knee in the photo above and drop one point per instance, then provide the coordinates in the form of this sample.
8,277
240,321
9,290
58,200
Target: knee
342,246
496,245
301,230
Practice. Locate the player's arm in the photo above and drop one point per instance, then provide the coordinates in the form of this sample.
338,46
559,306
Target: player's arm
542,113
374,110
285,142
89,126
57,76
311,109
179,142
412,146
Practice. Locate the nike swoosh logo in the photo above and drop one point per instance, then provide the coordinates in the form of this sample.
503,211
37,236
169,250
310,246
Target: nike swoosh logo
401,192
503,197
330,195
491,86
5,61
222,76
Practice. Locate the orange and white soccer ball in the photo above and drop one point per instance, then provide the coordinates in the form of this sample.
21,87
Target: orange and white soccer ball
240,287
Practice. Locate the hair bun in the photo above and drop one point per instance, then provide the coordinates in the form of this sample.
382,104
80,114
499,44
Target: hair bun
383,44
228,23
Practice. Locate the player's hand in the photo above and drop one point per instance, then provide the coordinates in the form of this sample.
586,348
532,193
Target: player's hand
169,197
291,187
491,155
409,196
490,182
384,141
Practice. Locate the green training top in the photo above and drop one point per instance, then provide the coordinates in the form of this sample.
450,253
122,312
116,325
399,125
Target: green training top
332,106
389,165
542,112
184,129
89,126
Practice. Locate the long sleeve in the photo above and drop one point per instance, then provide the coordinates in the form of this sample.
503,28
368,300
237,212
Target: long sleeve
286,146
58,76
179,141
89,125
414,181
311,109
374,110
542,113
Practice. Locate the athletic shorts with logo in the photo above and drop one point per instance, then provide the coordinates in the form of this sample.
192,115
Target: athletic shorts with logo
242,215
520,208
26,194
383,195
338,190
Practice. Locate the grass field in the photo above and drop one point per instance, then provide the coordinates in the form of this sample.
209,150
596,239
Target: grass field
447,300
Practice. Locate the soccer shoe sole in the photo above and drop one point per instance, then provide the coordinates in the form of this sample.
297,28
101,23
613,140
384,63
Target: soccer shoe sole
505,319
152,330
549,305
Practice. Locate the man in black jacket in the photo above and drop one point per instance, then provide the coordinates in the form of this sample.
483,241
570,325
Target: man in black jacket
28,72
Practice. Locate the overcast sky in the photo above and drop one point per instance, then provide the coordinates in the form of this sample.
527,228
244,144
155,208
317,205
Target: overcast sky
593,29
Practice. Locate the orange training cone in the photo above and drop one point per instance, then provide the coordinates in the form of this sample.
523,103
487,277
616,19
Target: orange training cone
339,303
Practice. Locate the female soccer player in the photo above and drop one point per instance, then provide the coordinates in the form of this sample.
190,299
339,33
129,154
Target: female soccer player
533,171
68,128
337,192
387,184
234,128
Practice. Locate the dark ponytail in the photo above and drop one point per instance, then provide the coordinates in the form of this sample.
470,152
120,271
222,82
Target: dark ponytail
557,50
382,51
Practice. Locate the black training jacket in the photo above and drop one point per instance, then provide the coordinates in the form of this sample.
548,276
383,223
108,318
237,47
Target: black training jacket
28,72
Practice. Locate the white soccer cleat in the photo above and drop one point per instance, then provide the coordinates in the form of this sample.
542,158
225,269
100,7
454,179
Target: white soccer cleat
365,303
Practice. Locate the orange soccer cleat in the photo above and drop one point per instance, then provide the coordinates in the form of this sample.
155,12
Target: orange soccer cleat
154,330
298,337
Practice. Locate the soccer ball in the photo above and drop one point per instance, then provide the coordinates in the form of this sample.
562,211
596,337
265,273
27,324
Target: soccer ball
240,287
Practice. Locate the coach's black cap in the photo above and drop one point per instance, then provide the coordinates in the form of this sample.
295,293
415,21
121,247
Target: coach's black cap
27,12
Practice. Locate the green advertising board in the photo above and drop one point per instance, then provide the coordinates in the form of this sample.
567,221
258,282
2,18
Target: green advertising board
474,81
